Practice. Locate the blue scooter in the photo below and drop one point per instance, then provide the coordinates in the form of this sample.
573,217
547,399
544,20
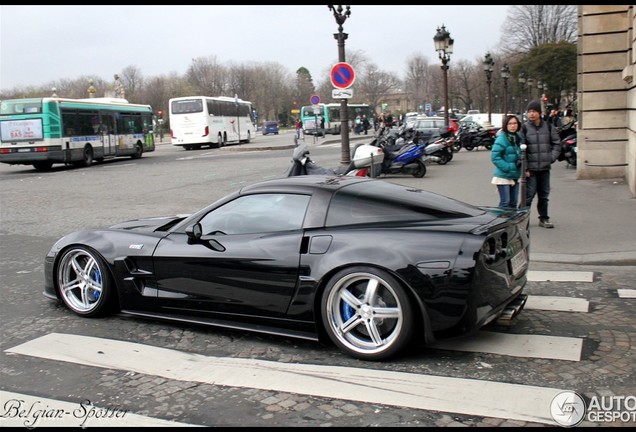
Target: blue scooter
404,158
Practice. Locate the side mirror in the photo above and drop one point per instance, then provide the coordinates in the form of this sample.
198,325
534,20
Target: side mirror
194,232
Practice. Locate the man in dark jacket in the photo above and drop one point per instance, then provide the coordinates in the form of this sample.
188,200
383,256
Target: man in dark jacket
543,148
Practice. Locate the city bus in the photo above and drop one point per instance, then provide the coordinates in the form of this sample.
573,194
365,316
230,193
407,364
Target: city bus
310,116
45,131
197,121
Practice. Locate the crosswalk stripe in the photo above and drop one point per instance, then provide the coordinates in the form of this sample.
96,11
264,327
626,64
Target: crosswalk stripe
560,276
418,391
518,345
626,293
555,303
26,411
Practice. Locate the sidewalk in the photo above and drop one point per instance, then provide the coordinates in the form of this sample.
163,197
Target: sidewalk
595,220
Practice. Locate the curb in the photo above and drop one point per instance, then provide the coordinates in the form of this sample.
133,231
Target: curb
602,258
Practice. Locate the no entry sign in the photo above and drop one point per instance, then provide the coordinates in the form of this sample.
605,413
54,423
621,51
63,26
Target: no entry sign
342,75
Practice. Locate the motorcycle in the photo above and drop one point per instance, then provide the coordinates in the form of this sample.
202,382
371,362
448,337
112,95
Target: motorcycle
567,133
441,148
471,138
403,157
365,162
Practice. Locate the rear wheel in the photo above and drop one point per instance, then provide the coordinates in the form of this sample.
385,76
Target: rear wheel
457,146
87,158
444,157
220,142
367,313
420,170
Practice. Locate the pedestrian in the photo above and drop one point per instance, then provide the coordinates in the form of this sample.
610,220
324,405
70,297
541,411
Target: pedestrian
299,128
543,148
322,126
506,157
365,124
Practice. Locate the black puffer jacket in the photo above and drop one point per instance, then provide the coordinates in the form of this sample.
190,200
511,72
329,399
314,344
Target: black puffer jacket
543,144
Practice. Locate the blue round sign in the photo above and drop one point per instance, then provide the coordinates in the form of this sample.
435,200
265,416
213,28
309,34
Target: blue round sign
314,100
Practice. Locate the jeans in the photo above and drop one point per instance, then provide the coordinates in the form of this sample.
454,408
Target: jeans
508,195
539,184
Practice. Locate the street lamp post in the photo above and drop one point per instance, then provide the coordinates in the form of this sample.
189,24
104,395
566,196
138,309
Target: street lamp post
488,68
341,14
530,82
505,74
444,47
522,80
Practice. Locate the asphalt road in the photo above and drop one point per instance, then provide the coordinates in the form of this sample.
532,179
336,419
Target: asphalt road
36,208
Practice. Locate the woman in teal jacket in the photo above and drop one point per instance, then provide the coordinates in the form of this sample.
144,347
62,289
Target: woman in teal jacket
506,156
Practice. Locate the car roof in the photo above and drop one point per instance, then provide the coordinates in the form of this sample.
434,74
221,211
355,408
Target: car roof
306,183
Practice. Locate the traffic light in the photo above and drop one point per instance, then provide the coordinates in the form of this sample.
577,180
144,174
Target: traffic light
295,103
160,114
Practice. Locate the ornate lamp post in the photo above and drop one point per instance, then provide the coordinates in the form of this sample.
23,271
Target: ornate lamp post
341,14
522,81
444,47
530,82
488,68
505,74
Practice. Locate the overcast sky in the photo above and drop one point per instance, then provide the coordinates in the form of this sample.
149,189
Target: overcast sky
40,44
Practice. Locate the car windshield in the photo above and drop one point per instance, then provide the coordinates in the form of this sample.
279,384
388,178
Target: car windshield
372,202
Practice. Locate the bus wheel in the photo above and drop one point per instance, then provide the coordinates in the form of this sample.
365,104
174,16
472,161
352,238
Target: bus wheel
219,141
87,160
138,151
249,137
43,166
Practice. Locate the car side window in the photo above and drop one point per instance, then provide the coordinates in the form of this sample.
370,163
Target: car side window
258,213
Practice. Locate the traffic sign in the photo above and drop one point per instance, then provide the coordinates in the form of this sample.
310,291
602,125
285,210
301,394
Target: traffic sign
428,107
314,100
342,94
342,75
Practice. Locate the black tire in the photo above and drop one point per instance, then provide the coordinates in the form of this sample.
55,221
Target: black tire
87,158
43,166
367,313
220,142
420,171
488,144
457,146
469,147
139,150
84,282
444,157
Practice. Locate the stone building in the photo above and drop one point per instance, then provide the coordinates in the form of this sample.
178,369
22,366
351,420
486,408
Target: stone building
606,93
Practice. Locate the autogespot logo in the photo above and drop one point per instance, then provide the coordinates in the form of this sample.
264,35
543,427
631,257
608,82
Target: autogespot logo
568,408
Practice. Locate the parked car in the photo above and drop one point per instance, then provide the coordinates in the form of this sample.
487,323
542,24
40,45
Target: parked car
270,127
428,128
368,263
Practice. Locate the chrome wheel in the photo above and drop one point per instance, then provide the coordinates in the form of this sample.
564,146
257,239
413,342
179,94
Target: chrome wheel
83,282
367,313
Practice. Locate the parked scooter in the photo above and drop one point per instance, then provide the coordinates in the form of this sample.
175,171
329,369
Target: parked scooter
403,157
567,133
441,148
471,138
365,162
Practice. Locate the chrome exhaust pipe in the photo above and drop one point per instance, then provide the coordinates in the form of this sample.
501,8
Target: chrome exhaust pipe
511,311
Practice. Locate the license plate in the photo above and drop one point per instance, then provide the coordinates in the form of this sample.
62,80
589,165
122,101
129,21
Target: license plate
24,150
519,263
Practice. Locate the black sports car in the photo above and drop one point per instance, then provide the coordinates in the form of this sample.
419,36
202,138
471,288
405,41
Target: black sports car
368,263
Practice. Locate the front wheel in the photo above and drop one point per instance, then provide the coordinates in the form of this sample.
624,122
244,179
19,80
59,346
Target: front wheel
457,146
367,313
444,157
84,282
139,150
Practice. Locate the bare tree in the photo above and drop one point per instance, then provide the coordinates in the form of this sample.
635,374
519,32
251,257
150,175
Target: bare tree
417,78
529,26
376,84
207,76
132,80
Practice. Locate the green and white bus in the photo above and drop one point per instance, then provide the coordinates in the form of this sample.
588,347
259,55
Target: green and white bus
45,131
310,116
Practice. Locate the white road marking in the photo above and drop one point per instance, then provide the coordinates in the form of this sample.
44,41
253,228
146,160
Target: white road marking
626,293
516,345
26,411
553,303
560,276
426,392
